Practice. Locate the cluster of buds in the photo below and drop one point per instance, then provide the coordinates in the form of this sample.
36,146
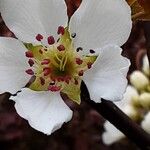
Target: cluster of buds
140,80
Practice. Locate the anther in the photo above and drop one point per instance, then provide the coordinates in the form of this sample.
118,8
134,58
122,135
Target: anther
61,48
79,49
73,35
81,73
40,51
46,71
39,37
79,61
61,30
31,62
54,88
29,54
30,72
45,62
50,40
89,64
92,51
42,81
76,82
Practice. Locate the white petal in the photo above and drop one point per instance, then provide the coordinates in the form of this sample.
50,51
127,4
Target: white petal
30,17
112,134
45,111
101,22
13,64
105,79
146,123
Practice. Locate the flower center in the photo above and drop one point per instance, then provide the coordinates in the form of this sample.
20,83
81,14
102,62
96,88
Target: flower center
57,64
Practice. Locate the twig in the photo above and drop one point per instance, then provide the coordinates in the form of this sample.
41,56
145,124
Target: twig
120,120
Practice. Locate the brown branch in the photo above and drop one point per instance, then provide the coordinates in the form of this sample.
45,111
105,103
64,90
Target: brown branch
120,120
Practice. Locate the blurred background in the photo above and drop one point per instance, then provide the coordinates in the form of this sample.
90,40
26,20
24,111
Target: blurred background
84,132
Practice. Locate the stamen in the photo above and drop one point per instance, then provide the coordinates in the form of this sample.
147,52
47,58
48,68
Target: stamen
54,88
42,80
61,30
50,40
31,62
73,35
45,62
30,72
79,61
76,82
40,51
79,49
92,51
39,37
29,54
61,48
46,71
81,73
89,64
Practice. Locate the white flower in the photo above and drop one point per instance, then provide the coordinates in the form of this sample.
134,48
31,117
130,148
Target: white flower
146,123
96,30
112,134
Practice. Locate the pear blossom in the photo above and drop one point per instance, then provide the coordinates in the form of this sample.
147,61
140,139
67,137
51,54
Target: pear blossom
55,54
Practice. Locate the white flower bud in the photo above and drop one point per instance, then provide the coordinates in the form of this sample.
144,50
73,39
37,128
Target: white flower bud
146,68
145,100
131,112
146,123
139,80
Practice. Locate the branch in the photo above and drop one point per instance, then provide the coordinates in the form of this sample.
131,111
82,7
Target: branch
120,120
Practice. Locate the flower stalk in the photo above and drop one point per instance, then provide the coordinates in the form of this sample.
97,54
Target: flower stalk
120,120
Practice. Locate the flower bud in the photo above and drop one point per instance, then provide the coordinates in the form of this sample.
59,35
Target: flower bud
131,112
139,80
146,68
145,100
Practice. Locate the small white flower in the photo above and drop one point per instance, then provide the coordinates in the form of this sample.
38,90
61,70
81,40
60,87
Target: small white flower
61,55
146,123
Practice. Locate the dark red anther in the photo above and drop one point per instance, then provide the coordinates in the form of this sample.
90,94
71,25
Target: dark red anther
89,64
29,54
40,51
50,40
79,61
61,48
54,88
31,62
30,72
39,37
42,81
61,30
76,82
92,51
46,71
81,73
45,62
